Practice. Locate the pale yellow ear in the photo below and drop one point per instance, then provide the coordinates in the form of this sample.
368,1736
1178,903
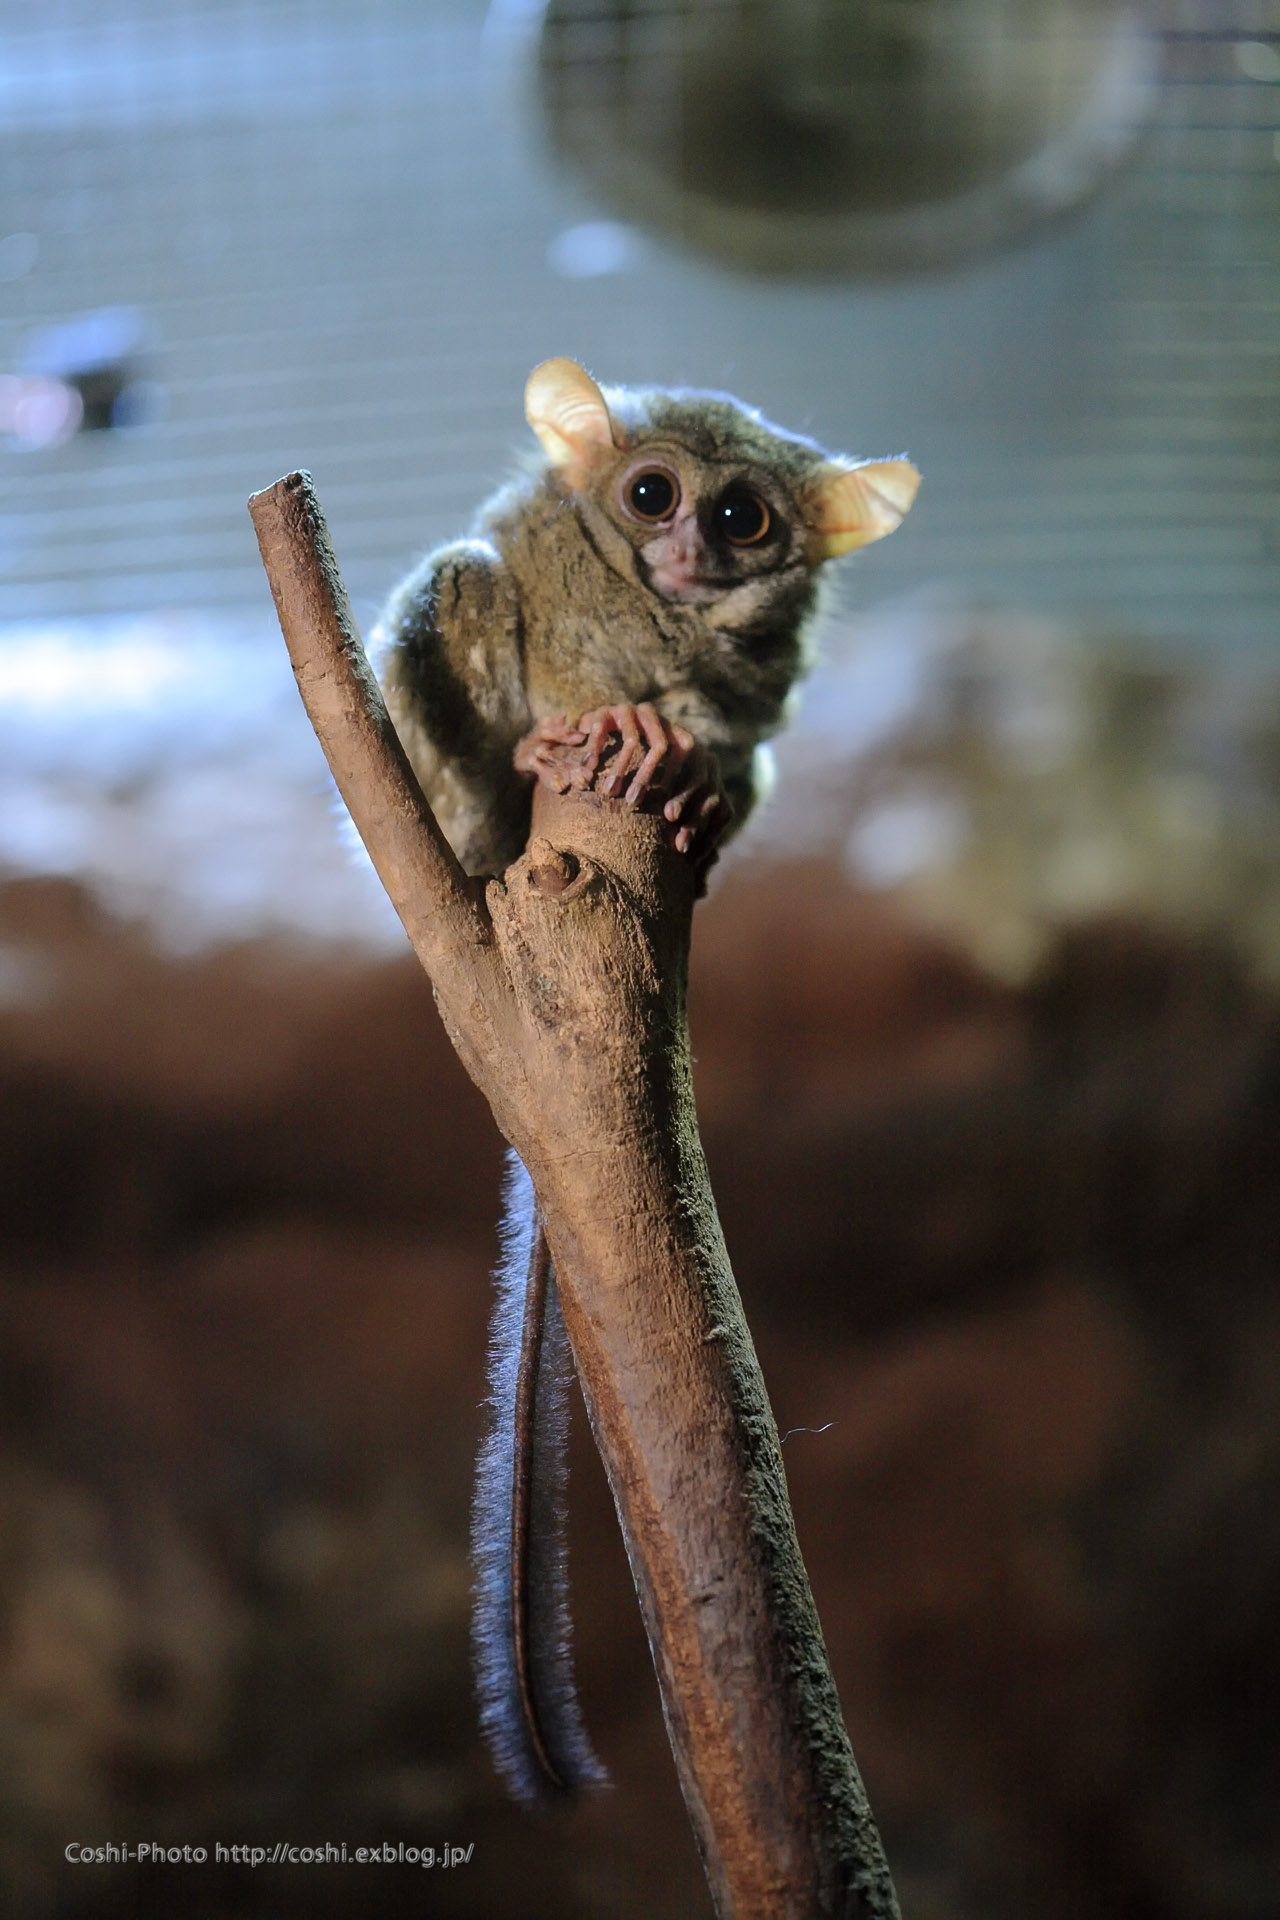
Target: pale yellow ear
854,505
566,410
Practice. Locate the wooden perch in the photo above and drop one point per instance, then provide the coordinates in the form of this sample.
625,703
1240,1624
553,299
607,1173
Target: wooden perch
563,988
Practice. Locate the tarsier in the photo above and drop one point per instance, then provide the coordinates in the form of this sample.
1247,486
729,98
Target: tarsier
653,577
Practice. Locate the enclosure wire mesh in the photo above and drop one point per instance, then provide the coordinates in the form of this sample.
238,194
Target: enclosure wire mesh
341,230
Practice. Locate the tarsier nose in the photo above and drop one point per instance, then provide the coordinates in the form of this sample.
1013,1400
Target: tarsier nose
685,542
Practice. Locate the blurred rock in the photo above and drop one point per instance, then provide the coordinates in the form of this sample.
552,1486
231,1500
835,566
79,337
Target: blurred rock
1006,777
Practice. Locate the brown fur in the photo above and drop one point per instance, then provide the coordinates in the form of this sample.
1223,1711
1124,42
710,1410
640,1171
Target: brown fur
551,609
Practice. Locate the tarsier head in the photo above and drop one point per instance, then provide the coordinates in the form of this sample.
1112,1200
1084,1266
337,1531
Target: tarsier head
705,491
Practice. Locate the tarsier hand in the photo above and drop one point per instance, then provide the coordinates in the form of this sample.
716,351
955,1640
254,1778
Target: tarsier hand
653,754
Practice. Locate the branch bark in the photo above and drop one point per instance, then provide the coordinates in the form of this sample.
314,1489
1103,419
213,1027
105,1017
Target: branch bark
563,988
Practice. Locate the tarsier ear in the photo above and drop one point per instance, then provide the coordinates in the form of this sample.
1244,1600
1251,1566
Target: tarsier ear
566,410
854,505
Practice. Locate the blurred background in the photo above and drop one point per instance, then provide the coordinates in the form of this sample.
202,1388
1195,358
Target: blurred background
985,1005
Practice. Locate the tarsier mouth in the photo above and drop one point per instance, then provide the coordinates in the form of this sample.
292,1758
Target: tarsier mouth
680,577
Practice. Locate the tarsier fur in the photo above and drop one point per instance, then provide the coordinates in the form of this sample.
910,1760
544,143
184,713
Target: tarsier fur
661,560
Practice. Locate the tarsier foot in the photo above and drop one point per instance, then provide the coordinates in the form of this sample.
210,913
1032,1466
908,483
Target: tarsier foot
653,756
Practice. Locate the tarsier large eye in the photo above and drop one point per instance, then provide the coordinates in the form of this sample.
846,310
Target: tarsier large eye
652,495
741,515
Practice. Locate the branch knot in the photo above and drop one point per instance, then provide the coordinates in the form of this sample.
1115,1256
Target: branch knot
550,870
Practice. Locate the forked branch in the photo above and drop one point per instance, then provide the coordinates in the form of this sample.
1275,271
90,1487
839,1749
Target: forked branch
563,988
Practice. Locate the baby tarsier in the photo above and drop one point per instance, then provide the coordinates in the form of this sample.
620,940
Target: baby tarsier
652,577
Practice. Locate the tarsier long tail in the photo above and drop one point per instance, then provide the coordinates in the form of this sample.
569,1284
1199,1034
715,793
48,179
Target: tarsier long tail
520,1626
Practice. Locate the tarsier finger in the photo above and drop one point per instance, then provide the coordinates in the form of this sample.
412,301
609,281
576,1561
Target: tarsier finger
674,765
533,754
694,785
551,773
638,730
630,750
599,725
655,733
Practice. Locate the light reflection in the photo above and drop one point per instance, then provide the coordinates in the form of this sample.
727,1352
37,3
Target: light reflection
54,667
39,412
165,761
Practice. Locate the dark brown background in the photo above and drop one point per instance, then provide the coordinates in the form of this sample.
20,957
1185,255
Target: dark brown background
1009,1250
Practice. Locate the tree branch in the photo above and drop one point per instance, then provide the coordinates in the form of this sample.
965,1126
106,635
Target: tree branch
564,992
414,861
